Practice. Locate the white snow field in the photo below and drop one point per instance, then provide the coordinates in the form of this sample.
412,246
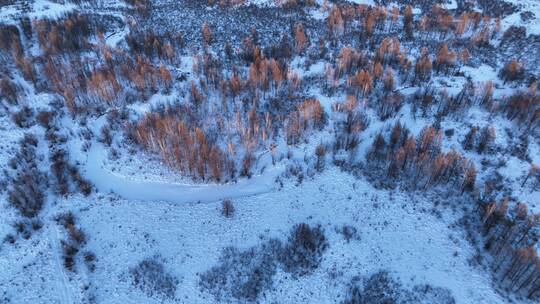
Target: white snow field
397,232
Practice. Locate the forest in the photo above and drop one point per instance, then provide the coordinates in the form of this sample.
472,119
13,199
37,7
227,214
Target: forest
424,98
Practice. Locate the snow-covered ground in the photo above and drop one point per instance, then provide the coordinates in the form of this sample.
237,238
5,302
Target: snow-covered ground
396,232
142,209
38,9
533,25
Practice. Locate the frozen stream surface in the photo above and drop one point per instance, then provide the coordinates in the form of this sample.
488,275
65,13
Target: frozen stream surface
107,181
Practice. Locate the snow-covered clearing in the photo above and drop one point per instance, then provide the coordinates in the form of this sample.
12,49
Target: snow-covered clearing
397,232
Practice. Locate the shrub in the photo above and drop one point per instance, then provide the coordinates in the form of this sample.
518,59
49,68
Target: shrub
242,275
151,277
76,235
27,186
348,130
427,294
23,118
76,240
59,166
9,238
105,136
9,90
22,228
304,249
245,275
381,288
45,119
67,219
26,193
354,296
83,185
349,233
512,71
320,153
227,208
67,178
69,251
486,139
36,224
89,260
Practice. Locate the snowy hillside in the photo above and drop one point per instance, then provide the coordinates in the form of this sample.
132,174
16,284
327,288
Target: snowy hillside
292,151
